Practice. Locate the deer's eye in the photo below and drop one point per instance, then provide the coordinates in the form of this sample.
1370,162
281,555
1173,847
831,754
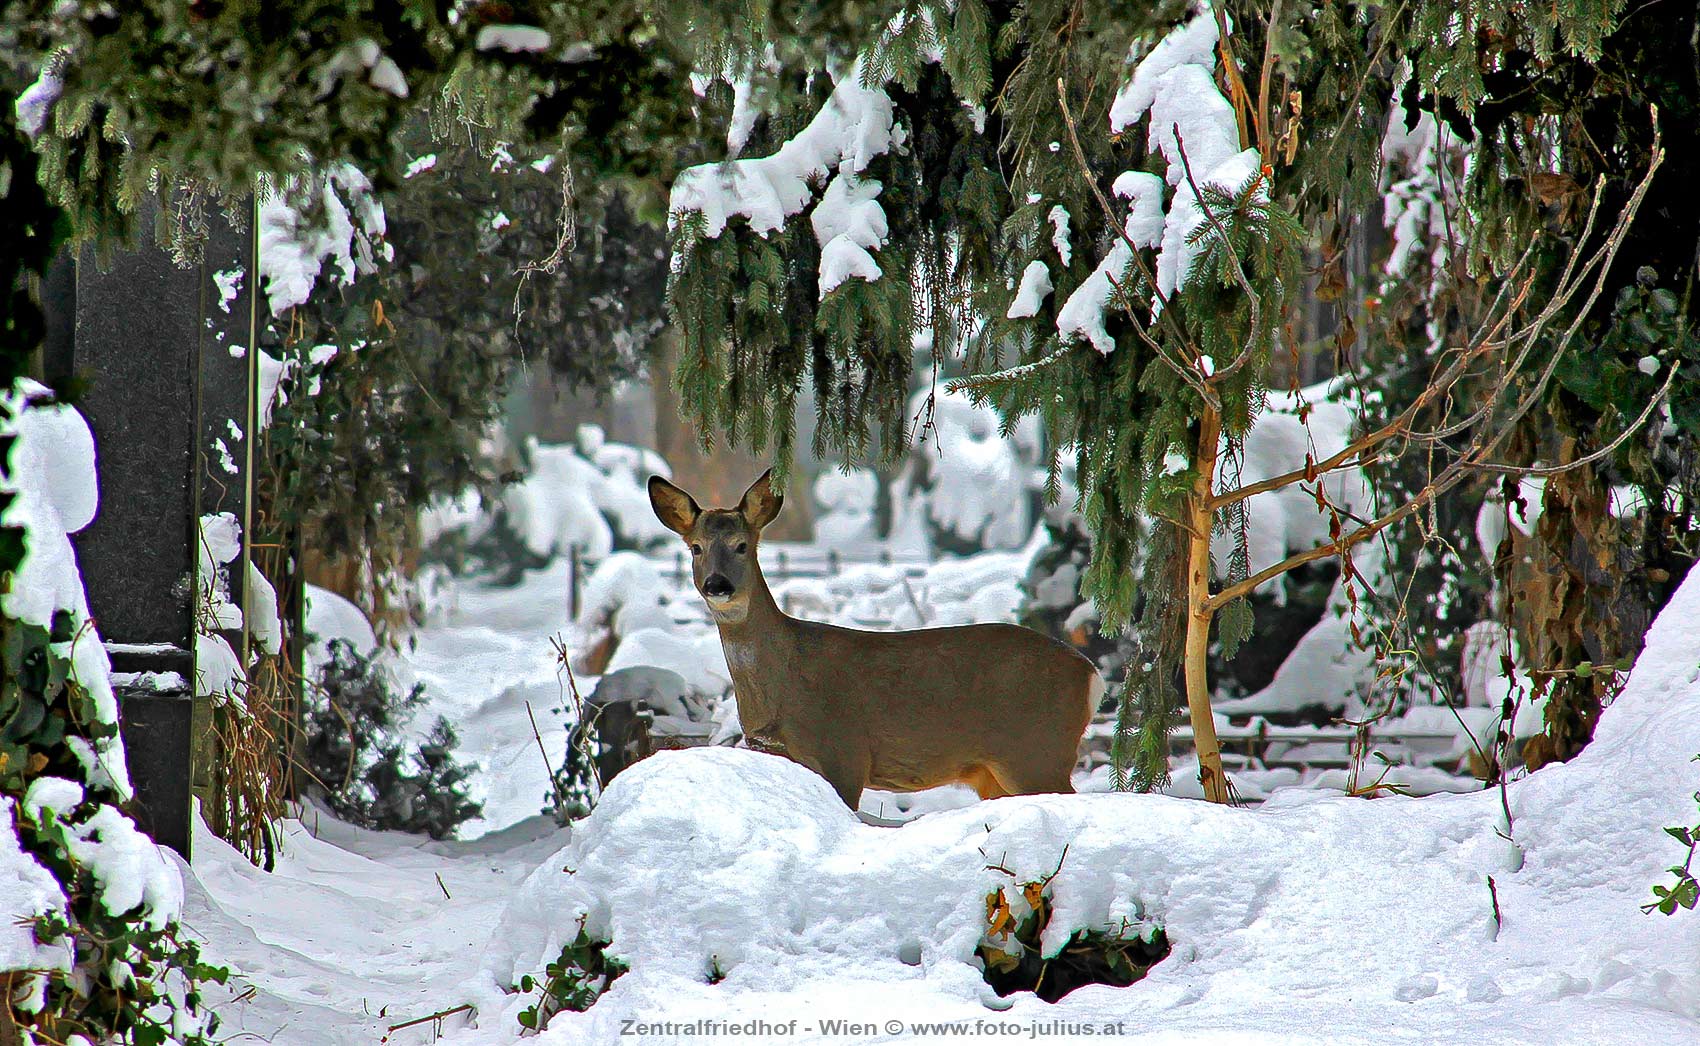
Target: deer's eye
696,549
743,547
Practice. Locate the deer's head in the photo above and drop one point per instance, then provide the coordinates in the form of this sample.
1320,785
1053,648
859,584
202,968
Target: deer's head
722,540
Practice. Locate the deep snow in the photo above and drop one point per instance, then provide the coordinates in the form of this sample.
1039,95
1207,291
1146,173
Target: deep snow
1312,918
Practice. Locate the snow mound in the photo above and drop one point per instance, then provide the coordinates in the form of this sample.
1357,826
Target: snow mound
698,659
1320,919
589,495
846,503
331,617
29,891
969,477
52,472
624,594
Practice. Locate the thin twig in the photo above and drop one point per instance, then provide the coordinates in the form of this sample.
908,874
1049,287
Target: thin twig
1397,426
439,1015
1603,452
554,782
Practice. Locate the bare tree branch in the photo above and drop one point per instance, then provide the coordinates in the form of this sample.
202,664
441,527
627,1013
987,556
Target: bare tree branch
1475,458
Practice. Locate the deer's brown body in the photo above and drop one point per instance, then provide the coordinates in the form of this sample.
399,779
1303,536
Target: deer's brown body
998,707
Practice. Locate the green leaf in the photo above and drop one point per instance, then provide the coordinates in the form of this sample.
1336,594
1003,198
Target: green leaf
1688,893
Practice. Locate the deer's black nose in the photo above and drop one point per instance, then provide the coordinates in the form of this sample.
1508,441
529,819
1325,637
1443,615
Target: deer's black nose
717,586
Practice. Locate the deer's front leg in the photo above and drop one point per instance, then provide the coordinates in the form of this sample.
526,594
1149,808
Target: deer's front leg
844,769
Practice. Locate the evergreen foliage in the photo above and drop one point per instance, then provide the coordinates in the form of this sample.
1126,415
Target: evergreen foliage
426,352
129,973
194,102
356,751
980,179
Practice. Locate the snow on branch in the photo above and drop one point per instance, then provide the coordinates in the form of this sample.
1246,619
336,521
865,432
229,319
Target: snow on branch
854,126
1082,315
1175,86
1191,125
334,219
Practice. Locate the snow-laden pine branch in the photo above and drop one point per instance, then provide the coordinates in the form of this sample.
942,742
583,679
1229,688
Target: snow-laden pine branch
855,126
1191,125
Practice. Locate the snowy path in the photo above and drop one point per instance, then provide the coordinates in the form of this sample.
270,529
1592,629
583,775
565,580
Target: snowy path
352,932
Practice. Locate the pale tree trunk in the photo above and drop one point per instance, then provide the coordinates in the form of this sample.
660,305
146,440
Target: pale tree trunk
1200,517
717,478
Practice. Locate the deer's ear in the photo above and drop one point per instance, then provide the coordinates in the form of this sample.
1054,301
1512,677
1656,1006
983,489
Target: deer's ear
760,503
676,509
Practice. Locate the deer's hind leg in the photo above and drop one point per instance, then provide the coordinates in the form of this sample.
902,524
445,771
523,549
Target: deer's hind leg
984,782
1017,779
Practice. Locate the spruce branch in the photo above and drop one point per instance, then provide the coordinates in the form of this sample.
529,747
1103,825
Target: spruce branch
976,382
1253,300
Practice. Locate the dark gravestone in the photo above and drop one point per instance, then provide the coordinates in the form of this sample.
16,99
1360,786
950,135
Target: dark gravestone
134,333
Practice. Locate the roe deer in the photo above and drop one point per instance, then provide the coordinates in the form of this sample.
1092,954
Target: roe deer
998,707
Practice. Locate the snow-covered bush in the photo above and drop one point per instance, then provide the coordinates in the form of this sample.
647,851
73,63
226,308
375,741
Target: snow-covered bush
1018,914
357,755
623,595
967,485
845,504
332,221
589,496
90,943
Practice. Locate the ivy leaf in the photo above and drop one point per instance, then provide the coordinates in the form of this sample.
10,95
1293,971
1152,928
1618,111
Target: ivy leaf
1687,894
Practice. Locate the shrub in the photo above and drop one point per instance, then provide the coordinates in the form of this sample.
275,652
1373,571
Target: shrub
572,982
1016,917
111,963
354,720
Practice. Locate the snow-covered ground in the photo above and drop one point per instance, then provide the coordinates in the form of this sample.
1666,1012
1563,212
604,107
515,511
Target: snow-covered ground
738,889
1314,917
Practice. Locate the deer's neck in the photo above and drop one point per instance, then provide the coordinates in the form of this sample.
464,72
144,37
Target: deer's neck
759,618
754,645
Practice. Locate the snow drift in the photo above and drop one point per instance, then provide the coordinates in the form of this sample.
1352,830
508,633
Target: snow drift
1310,918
